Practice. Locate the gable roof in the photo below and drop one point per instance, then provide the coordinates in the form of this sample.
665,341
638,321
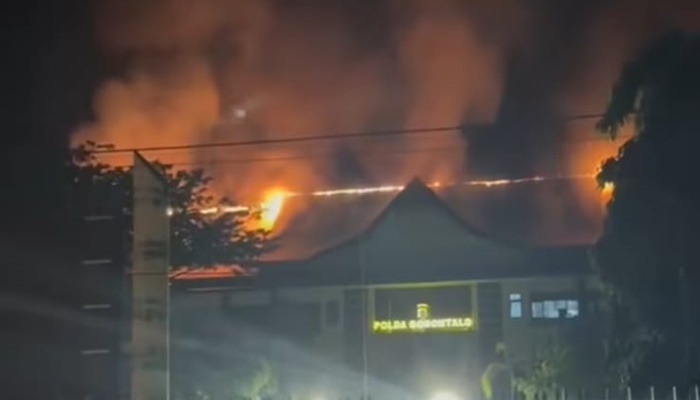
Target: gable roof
414,194
417,193
343,222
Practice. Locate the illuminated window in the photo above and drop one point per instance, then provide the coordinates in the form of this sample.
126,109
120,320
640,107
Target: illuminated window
537,309
555,309
516,305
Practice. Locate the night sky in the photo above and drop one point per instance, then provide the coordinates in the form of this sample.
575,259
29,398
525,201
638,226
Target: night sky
53,73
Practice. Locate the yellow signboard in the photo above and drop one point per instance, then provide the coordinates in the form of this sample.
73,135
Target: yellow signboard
423,325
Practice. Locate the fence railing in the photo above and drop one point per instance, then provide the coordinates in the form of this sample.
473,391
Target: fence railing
629,393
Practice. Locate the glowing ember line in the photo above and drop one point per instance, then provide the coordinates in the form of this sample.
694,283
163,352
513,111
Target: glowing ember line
233,209
398,188
271,207
363,190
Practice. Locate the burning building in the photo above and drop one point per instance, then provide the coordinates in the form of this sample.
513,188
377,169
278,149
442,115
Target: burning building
399,302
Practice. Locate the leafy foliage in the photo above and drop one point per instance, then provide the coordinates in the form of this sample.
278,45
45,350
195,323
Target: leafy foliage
197,240
572,360
648,253
546,374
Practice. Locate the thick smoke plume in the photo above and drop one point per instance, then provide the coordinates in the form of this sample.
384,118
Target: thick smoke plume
228,70
222,70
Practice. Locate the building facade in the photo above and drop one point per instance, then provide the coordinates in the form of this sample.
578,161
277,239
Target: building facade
91,330
415,304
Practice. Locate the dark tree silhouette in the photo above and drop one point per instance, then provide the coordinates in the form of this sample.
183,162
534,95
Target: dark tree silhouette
197,240
648,253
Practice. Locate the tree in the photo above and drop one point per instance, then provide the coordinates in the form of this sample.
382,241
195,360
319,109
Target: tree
545,375
573,360
198,240
648,253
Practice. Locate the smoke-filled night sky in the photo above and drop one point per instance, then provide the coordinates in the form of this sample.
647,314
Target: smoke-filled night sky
228,70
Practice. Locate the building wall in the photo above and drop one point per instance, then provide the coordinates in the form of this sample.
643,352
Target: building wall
94,330
525,335
333,354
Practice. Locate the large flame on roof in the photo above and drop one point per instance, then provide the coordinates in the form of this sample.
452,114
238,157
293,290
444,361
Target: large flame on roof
272,207
269,208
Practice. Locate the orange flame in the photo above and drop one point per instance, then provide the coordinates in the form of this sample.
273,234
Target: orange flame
271,207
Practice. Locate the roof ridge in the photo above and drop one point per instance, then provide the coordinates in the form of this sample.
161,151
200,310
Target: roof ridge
416,185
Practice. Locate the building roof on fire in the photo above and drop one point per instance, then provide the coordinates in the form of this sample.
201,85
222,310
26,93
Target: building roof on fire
333,225
538,214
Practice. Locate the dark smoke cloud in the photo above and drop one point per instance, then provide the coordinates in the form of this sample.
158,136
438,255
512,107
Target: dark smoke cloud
570,58
206,70
296,68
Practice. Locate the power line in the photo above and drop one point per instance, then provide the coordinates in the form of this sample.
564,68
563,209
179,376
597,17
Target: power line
312,138
298,139
371,154
582,116
315,155
103,151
